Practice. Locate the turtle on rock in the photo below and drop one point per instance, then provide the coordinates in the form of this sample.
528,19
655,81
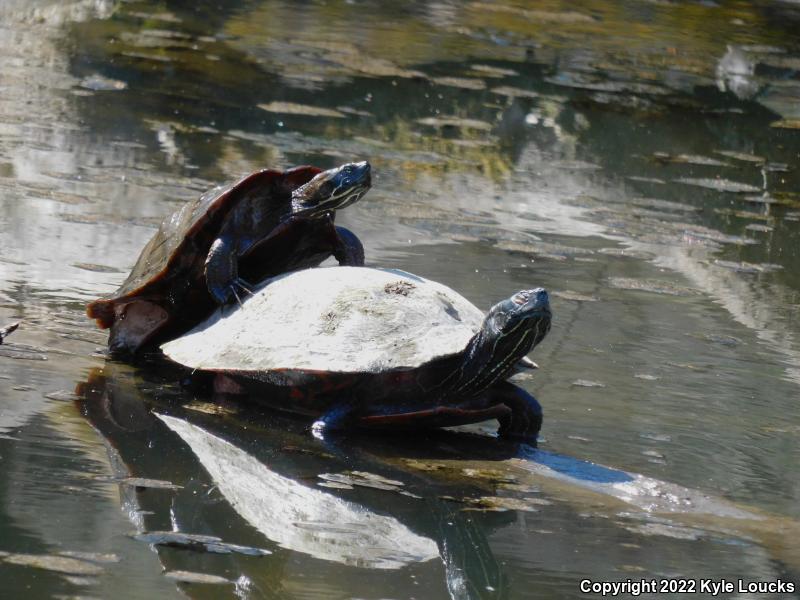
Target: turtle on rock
373,348
203,255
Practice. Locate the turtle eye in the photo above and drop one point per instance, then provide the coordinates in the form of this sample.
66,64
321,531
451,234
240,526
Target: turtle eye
326,189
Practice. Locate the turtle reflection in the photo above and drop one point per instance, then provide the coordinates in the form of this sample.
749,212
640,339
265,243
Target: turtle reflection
299,517
250,481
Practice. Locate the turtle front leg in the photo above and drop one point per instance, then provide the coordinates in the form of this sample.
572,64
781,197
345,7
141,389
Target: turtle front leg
524,419
348,250
222,271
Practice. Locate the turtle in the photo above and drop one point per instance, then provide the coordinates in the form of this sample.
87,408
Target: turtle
5,331
373,348
204,254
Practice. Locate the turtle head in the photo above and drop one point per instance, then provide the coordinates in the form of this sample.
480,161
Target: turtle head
332,189
510,330
526,312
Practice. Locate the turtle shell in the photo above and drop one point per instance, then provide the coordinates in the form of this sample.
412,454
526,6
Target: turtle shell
342,320
184,238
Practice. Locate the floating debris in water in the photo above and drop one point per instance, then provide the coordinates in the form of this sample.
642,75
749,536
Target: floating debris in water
659,204
745,267
725,340
786,124
651,285
743,156
646,179
466,83
513,92
98,83
211,408
690,367
354,111
22,352
720,185
647,377
196,542
490,475
656,437
455,122
588,383
423,465
494,71
58,564
502,504
80,582
674,531
704,233
575,165
309,451
158,484
192,577
543,249
534,15
521,488
147,56
167,17
292,108
97,268
362,479
574,296
777,167
652,454
759,227
742,214
585,82
626,253
335,485
632,568
689,159
95,557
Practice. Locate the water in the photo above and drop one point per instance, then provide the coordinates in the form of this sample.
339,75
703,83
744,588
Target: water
637,159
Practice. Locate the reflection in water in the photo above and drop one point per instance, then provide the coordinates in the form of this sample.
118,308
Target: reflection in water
301,518
511,144
261,478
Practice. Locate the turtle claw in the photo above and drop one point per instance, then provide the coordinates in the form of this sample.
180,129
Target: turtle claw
244,286
235,295
240,284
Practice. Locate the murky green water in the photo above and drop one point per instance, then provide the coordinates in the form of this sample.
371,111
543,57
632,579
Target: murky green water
638,159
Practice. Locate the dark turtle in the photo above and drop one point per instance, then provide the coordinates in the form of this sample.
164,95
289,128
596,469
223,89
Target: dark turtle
5,331
379,348
265,224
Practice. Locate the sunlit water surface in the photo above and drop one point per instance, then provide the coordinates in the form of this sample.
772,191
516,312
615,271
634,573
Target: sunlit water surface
638,159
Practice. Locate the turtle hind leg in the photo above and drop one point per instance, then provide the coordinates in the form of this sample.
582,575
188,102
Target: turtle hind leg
348,250
337,418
